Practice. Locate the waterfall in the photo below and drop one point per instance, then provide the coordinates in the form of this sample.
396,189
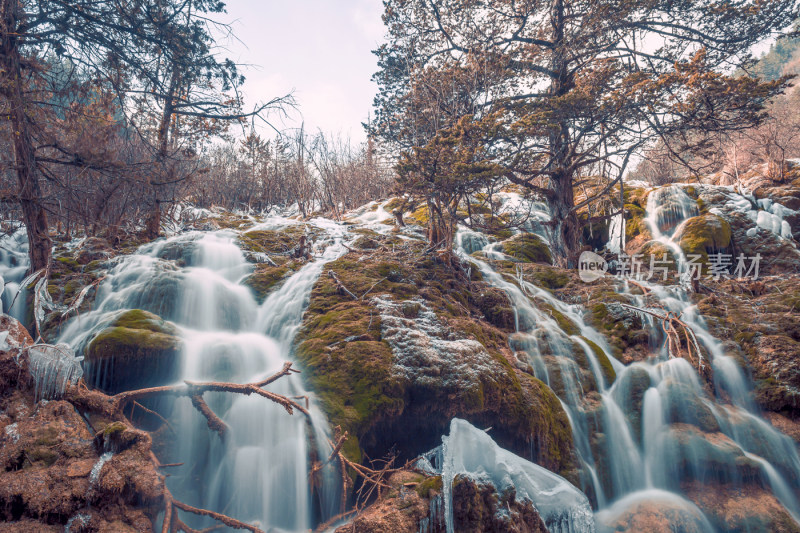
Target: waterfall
13,266
644,466
259,473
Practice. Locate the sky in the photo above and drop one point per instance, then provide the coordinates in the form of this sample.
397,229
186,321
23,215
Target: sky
320,50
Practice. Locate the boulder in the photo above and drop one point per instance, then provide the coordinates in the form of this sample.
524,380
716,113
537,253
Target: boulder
477,507
529,248
138,349
704,234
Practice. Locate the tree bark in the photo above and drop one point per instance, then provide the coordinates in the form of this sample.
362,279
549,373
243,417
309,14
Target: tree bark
153,223
30,192
566,234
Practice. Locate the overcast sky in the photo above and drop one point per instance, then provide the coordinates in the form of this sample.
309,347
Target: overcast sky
320,49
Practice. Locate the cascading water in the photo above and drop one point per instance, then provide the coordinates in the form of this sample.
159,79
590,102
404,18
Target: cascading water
13,266
634,451
259,473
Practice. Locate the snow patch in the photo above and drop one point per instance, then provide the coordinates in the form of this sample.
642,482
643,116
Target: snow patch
425,351
12,432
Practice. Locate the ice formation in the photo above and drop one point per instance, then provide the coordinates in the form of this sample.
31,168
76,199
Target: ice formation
52,369
471,452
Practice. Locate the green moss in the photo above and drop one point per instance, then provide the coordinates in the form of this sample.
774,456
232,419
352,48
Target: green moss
42,454
529,248
47,436
361,390
138,349
635,224
394,203
565,324
550,278
429,484
264,279
703,234
114,428
420,216
365,243
605,363
70,263
279,241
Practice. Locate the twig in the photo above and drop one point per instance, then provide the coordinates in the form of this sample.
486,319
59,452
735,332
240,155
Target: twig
340,285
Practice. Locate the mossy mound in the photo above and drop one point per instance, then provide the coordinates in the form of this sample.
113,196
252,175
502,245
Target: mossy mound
704,234
266,277
495,306
627,335
354,371
278,244
635,224
137,350
529,248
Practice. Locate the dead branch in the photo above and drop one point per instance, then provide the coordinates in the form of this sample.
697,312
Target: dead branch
673,326
215,423
340,286
228,521
195,391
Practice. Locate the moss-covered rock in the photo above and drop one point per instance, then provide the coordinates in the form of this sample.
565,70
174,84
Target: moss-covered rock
363,388
265,278
278,244
528,247
137,350
495,306
635,224
704,234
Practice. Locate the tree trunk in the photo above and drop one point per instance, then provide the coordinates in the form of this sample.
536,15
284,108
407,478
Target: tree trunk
567,228
30,192
566,234
153,223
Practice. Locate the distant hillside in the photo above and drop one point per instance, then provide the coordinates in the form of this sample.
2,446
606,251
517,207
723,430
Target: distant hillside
782,58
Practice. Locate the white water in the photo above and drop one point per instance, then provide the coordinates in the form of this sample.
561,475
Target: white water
13,266
259,473
643,466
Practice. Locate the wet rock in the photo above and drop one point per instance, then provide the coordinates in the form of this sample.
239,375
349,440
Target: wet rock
731,508
778,256
399,512
51,475
655,512
137,350
529,248
704,234
181,251
430,358
495,306
477,508
93,249
265,278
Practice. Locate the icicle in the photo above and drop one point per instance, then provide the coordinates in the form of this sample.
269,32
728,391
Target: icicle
52,369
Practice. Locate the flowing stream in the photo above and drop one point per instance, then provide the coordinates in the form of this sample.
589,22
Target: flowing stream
259,473
13,266
656,427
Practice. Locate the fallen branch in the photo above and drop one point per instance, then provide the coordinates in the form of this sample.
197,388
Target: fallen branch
673,326
340,286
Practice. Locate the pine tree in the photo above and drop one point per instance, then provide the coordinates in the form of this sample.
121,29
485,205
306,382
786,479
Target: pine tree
571,84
